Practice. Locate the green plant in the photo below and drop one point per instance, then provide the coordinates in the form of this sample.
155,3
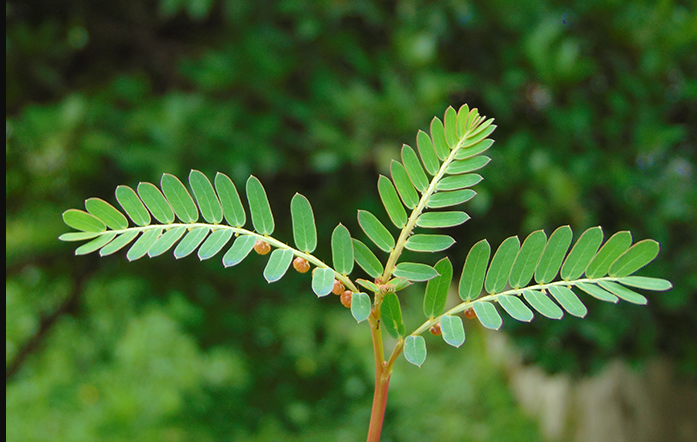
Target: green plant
449,155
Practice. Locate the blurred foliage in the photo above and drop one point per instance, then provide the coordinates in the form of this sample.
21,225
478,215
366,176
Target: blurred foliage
595,107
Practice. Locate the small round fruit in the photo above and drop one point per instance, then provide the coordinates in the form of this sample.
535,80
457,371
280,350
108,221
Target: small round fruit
470,313
346,298
301,265
435,330
338,288
262,247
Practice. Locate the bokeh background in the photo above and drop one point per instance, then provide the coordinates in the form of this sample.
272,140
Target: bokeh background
597,125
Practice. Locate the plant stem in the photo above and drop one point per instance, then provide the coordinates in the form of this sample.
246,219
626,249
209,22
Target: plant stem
382,379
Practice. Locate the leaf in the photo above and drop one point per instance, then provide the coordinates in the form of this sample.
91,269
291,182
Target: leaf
462,116
404,185
262,218
360,306
239,250
322,281
473,272
427,152
414,169
191,241
78,236
468,165
501,264
568,299
214,243
624,293
366,259
639,255
414,271
582,253
391,201
487,315
156,203
453,330
428,243
304,229
415,350
436,293
608,253
179,198
375,230
95,244
445,199
441,219
278,264
107,213
80,220
475,149
166,241
540,302
120,242
459,181
482,132
143,244
597,292
230,200
368,285
438,137
450,122
527,259
342,250
207,200
553,255
516,308
132,205
391,315
646,283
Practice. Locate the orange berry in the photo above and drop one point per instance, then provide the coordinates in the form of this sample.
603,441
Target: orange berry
262,247
470,313
435,330
301,265
346,298
338,288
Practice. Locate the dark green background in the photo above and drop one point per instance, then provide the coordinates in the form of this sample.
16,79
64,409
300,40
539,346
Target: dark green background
595,103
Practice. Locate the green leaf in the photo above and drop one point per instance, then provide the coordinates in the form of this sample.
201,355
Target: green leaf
581,254
230,200
445,199
428,153
179,198
453,330
540,302
143,244
132,205
441,219
646,283
391,201
156,202
516,308
214,243
78,236
527,259
468,165
568,299
95,244
239,250
366,259
278,264
191,241
391,314
414,169
450,121
608,253
635,258
459,181
462,116
501,264
553,255
415,271
428,243
404,185
473,119
624,293
322,281
375,230
262,218
81,220
415,350
120,242
597,292
475,149
342,250
487,315
304,229
207,200
107,213
438,137
473,272
437,289
482,132
368,285
166,241
360,306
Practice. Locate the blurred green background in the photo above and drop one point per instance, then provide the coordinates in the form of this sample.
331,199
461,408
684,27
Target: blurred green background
595,103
